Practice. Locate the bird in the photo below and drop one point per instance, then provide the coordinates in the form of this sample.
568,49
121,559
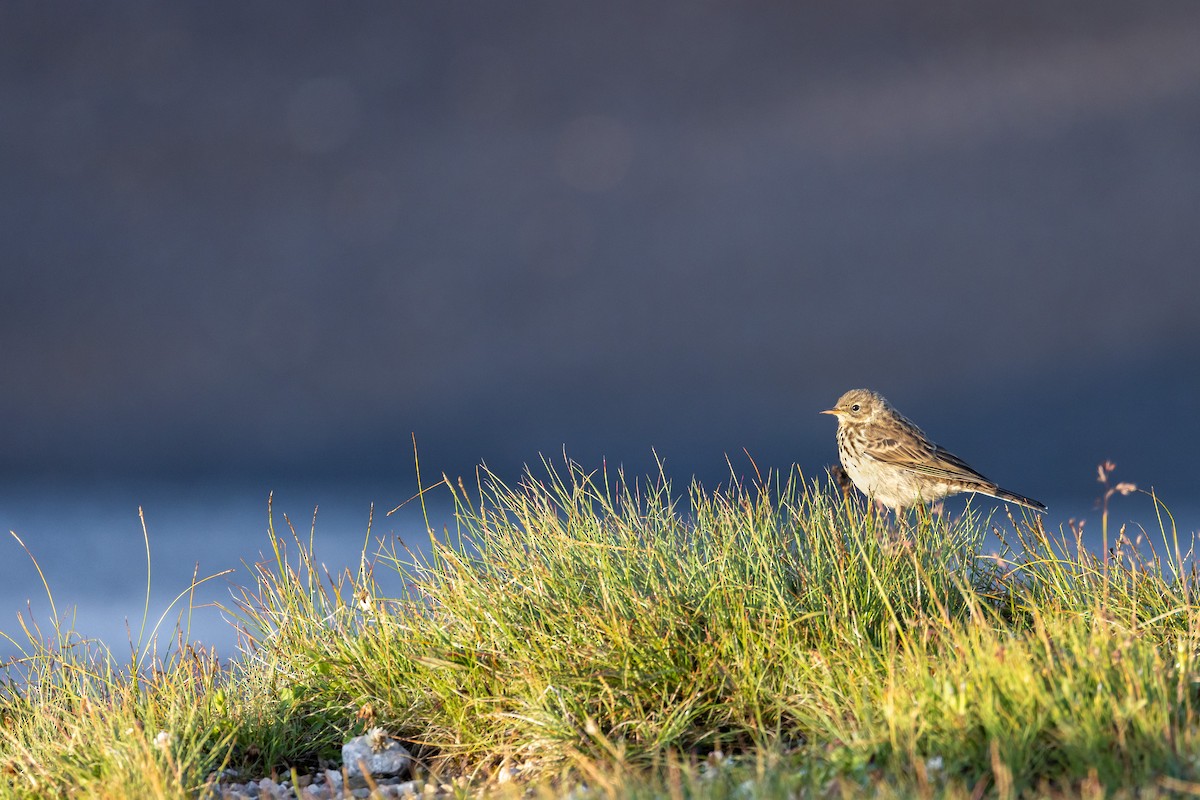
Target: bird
892,461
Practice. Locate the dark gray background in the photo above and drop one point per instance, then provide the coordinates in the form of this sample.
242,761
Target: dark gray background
247,244
260,238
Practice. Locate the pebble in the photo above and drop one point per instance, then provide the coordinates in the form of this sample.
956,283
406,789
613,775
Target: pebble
387,762
376,752
319,789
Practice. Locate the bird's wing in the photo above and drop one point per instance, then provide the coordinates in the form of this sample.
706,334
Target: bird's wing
910,450
951,466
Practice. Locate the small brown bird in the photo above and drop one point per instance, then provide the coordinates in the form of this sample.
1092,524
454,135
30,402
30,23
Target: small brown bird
892,461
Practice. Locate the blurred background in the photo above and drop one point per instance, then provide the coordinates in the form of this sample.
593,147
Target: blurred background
255,248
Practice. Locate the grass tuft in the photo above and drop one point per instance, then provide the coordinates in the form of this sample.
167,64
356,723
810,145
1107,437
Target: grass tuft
769,638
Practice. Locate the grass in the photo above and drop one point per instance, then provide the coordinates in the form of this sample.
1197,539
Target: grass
583,633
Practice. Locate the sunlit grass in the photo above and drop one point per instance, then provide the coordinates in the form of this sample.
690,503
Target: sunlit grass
768,638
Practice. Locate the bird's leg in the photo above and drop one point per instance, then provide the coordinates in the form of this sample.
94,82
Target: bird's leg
891,521
925,517
896,529
908,525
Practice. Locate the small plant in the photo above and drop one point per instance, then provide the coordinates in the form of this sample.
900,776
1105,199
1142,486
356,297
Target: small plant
77,721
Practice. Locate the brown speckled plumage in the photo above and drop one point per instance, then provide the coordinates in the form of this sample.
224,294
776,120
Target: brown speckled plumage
892,461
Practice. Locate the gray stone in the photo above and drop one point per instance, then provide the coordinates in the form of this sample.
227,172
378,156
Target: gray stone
270,790
376,752
409,788
315,792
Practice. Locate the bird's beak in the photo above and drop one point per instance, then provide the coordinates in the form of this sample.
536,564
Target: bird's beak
831,411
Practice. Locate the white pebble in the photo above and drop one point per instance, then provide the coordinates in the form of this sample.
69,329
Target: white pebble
378,753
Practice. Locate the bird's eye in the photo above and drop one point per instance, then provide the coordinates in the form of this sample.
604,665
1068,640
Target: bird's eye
856,407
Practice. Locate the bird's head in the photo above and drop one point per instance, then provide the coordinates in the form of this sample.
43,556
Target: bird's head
858,405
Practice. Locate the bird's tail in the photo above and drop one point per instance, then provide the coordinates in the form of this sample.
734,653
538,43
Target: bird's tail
1013,497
